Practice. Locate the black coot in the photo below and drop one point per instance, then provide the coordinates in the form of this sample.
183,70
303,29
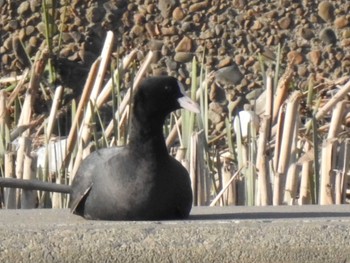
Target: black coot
140,181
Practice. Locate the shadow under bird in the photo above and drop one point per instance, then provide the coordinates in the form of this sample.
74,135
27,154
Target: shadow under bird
139,181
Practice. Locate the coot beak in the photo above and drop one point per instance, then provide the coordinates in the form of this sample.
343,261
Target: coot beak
186,102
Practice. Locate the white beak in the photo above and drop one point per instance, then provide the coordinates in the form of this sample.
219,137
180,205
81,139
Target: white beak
186,102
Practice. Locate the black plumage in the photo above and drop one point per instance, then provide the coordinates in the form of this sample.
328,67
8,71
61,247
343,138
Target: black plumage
140,181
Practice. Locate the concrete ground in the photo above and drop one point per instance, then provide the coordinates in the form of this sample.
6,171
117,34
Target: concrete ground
227,234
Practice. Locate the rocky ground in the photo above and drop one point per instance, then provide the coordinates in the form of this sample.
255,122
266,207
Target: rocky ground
228,36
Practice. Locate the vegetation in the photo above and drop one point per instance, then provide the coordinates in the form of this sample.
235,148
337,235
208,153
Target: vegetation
292,153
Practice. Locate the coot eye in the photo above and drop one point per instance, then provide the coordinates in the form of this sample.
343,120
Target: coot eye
167,88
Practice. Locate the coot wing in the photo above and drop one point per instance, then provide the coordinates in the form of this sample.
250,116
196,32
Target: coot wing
84,177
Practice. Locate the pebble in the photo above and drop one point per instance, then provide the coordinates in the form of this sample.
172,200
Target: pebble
306,33
41,28
257,25
171,65
165,7
137,30
198,6
345,42
23,8
285,22
227,61
11,25
326,11
328,36
214,117
33,41
295,56
168,31
178,14
302,70
217,94
230,75
185,45
341,22
7,45
94,14
315,57
183,57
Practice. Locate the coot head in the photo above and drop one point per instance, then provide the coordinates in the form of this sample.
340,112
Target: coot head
158,96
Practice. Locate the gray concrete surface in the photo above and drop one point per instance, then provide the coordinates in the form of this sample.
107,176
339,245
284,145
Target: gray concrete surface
230,234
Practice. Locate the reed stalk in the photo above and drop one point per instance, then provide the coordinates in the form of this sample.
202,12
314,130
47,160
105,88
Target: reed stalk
329,151
343,91
220,194
306,177
345,173
291,178
286,147
4,124
229,197
28,197
264,193
282,91
10,172
72,137
18,89
126,100
85,129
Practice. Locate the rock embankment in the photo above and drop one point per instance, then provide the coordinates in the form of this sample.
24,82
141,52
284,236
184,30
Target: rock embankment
228,36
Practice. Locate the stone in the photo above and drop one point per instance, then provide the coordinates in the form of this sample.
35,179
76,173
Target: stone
178,14
214,117
183,57
306,33
198,6
137,30
257,25
151,30
139,19
315,57
33,41
285,22
239,59
345,42
11,25
328,36
326,11
185,45
155,44
165,7
41,28
151,8
229,75
168,31
226,61
23,8
295,56
29,30
5,59
95,14
171,65
217,94
341,22
302,70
